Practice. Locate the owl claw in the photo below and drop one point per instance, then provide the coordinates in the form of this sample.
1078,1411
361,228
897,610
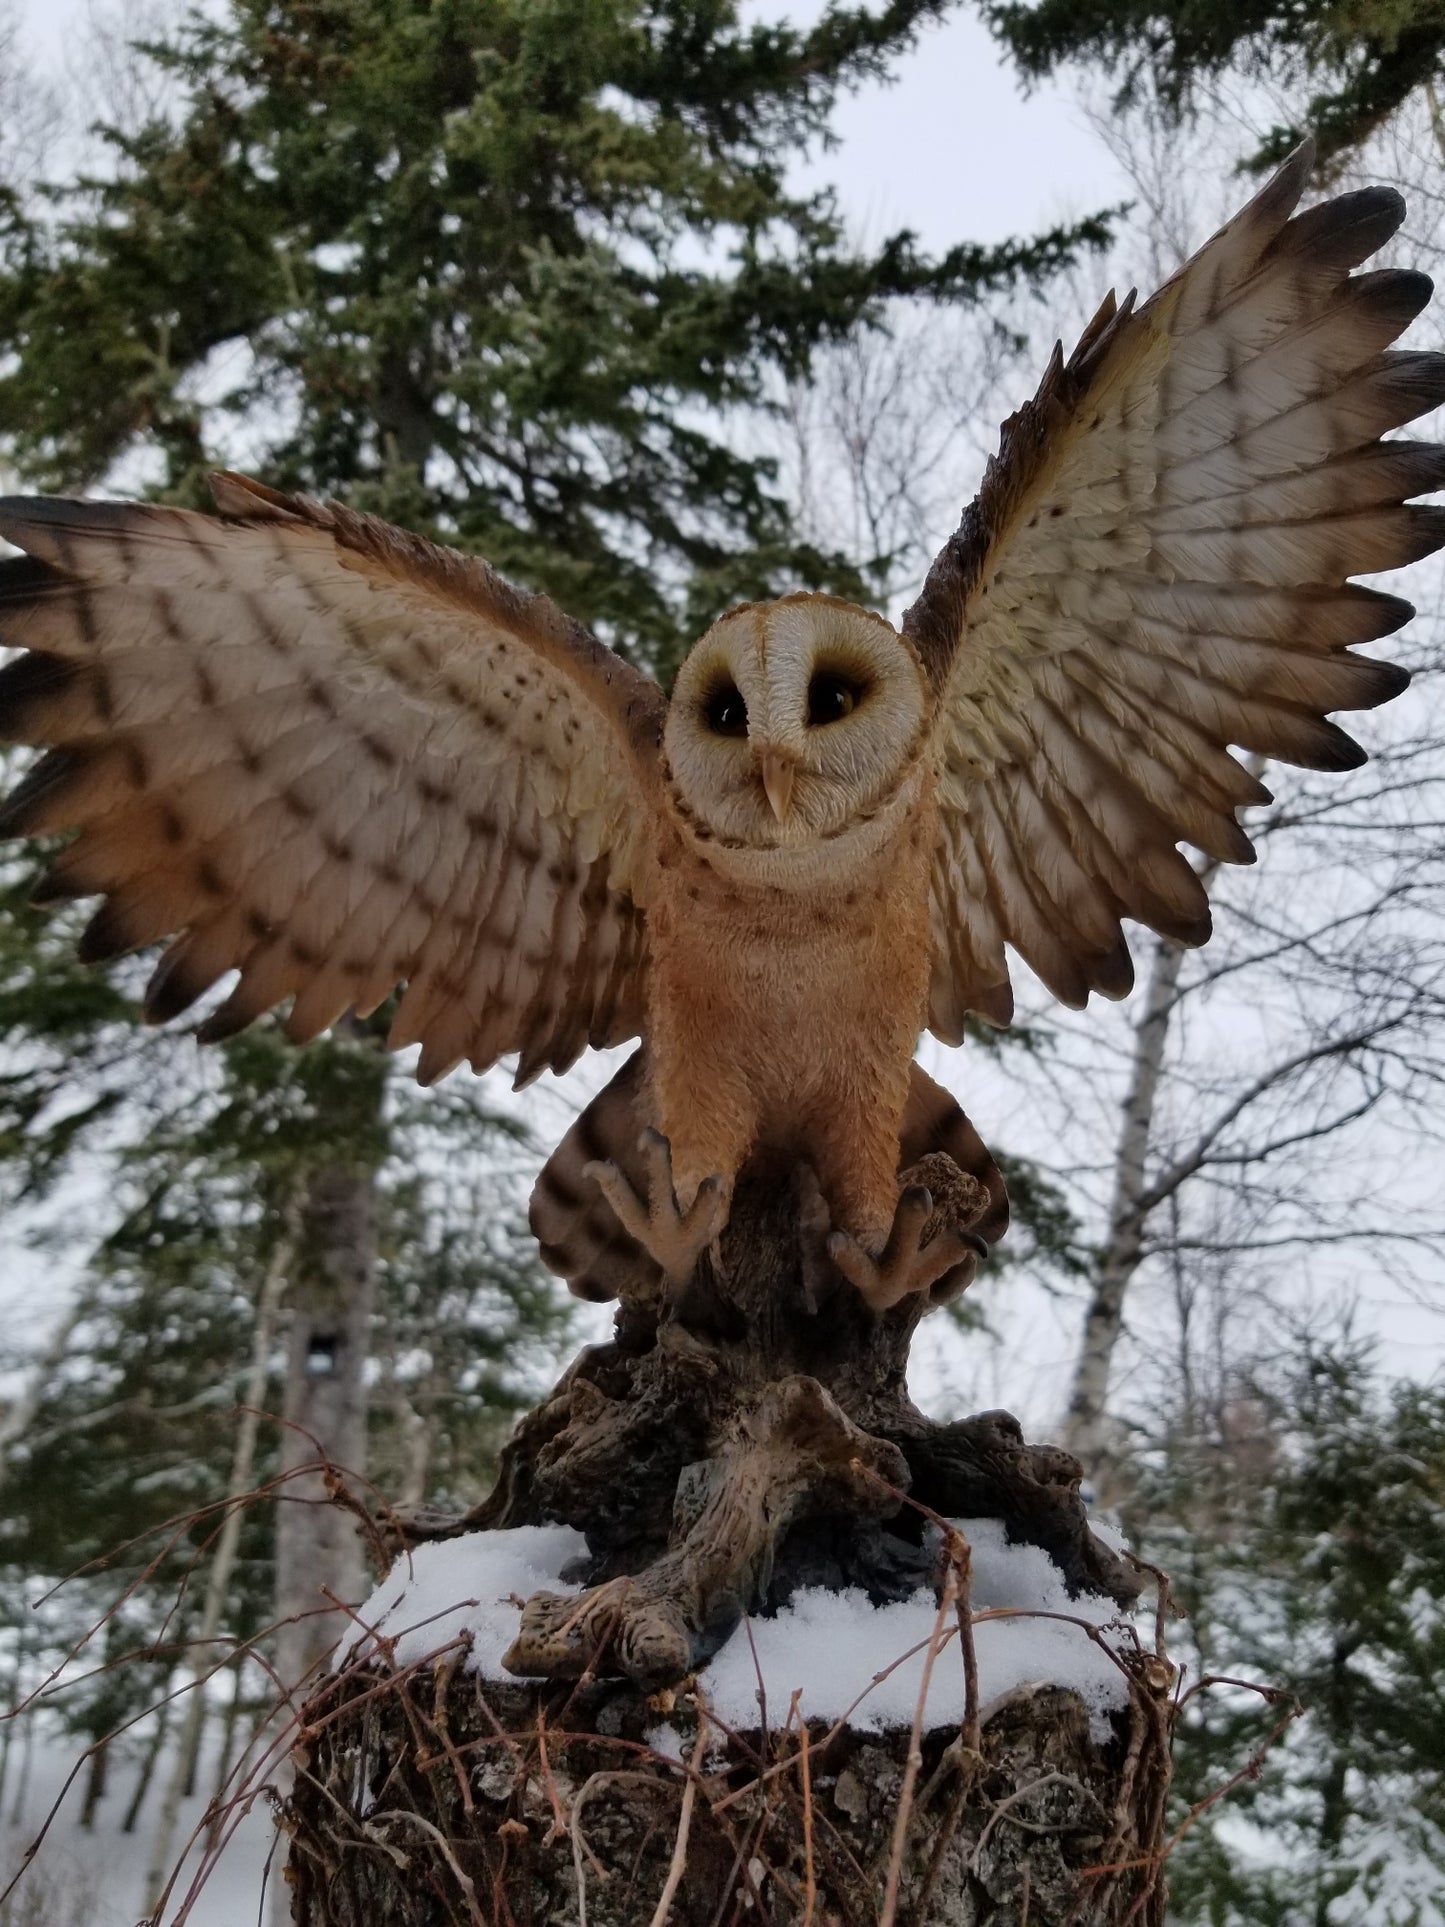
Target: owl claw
673,1238
906,1264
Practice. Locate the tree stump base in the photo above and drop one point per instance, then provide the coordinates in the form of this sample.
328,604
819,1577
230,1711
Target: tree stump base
732,1445
447,1800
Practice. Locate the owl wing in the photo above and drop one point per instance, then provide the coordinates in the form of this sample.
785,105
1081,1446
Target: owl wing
1154,569
335,758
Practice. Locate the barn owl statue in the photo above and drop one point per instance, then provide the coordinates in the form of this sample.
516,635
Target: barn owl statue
336,760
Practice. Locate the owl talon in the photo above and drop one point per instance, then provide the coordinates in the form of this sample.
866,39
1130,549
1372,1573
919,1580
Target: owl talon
906,1264
673,1238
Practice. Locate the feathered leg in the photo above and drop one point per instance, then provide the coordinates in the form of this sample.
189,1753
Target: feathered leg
692,1162
890,1243
673,1236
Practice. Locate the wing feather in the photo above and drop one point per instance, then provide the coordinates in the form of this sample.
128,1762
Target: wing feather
335,759
1155,571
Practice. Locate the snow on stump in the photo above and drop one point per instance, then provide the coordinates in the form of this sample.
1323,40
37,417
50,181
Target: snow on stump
994,1753
741,1636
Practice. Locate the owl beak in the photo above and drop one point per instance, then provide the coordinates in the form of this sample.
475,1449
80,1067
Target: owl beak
777,771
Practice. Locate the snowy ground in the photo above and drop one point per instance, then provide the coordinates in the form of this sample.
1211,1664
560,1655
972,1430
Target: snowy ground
96,1877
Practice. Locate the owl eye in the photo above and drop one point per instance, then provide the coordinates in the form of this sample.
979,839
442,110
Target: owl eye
725,711
832,697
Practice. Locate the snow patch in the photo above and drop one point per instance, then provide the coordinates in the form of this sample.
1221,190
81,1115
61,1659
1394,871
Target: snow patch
666,1741
471,1587
843,1655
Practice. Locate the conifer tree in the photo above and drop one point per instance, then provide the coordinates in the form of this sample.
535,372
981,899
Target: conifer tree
1350,66
1301,1528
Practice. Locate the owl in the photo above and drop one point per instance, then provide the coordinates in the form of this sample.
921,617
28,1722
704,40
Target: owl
337,761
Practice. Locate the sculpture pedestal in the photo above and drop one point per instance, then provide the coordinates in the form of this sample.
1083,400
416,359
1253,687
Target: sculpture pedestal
721,1455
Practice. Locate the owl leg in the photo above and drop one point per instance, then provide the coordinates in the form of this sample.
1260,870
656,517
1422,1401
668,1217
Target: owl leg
912,1258
892,1243
673,1237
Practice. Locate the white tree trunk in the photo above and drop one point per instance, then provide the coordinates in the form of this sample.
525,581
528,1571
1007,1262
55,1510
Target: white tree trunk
223,1563
1086,1431
318,1552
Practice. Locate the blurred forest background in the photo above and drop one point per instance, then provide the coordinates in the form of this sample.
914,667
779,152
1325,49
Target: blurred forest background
537,277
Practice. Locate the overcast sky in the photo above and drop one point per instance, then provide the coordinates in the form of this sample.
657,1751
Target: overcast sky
952,149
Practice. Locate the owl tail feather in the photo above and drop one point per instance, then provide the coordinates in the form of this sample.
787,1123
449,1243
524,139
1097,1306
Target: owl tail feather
581,1239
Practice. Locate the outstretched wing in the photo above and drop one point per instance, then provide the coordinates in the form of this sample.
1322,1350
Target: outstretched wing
1154,569
334,758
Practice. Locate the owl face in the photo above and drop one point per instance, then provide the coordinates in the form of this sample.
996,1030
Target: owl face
793,723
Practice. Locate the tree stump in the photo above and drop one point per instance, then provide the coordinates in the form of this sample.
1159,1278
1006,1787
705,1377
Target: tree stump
723,1451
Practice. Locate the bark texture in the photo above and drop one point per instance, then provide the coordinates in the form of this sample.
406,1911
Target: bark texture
726,1448
456,1801
318,1551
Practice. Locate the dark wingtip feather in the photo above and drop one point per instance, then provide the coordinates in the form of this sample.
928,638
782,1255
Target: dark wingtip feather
1342,232
1192,932
1425,532
1112,972
25,578
57,885
27,687
1380,682
1282,190
22,811
1397,294
222,1024
172,989
106,936
1386,613
1415,468
1330,749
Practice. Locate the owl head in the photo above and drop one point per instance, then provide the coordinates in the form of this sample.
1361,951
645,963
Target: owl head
793,724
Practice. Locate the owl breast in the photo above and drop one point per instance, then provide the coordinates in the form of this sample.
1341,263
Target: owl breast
778,995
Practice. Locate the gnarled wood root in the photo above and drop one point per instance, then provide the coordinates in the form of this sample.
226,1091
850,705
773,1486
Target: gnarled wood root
793,1453
745,1439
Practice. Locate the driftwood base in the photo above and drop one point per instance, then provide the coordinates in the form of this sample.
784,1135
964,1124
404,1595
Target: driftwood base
744,1440
443,1802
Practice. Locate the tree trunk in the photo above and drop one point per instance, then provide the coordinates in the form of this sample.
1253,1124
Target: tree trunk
725,1449
506,1804
1087,1432
181,1783
96,1780
225,1755
1086,1429
318,1553
155,1746
319,1557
